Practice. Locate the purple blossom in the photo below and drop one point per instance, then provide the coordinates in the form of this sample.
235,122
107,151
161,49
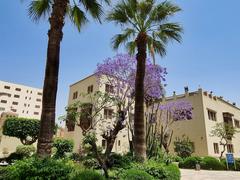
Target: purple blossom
121,72
178,110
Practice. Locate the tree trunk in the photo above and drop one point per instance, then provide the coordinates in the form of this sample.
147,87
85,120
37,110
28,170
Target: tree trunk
139,125
55,35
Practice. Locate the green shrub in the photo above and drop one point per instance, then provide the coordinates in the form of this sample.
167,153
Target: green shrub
13,157
183,147
76,157
86,175
91,163
63,146
231,166
34,168
25,150
3,173
134,174
190,162
26,130
119,161
177,159
211,163
160,170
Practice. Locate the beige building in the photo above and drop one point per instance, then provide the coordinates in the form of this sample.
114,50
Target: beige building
17,100
87,86
208,110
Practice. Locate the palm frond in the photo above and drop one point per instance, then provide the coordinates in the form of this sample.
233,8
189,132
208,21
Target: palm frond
95,9
156,46
39,8
77,16
131,47
162,12
170,31
119,39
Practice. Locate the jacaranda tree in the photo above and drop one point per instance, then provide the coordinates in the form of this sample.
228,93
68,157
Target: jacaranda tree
120,72
57,10
145,26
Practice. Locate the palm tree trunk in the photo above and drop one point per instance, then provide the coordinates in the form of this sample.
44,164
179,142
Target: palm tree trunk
55,35
139,125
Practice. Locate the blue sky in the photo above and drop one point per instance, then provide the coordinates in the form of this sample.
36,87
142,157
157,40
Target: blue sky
209,55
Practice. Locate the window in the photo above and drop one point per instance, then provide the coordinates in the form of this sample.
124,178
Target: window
119,143
103,143
18,89
3,101
39,93
28,105
2,109
216,148
37,106
25,105
108,88
108,113
26,97
15,103
14,110
16,96
75,95
23,111
90,89
230,148
38,100
237,123
36,113
29,98
6,87
212,115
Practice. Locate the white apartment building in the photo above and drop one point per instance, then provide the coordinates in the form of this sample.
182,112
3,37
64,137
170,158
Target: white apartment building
21,101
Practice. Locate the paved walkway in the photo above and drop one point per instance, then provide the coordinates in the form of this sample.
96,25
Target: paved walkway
209,175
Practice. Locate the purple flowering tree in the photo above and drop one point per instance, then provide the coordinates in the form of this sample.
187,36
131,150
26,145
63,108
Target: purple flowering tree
119,72
159,121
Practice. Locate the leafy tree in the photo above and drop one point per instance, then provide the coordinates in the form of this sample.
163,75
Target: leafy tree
225,132
145,26
183,146
57,10
63,146
26,130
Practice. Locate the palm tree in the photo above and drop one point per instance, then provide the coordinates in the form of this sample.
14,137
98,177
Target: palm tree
57,10
146,26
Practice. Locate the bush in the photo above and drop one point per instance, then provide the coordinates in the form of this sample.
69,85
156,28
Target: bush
160,170
211,163
87,175
3,173
76,157
190,162
231,166
25,150
119,161
26,130
134,174
91,163
63,146
13,157
34,168
183,147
